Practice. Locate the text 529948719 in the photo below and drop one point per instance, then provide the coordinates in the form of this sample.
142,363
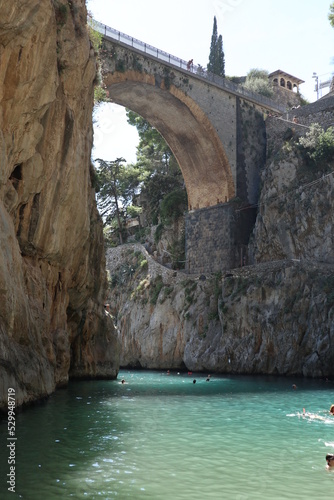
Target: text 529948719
11,440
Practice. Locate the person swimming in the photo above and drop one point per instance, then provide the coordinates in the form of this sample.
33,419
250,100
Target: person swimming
330,460
331,410
313,416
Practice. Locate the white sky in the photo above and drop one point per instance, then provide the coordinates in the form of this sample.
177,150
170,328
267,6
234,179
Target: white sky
292,35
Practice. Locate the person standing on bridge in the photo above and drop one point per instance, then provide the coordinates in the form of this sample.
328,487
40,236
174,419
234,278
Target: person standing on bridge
190,65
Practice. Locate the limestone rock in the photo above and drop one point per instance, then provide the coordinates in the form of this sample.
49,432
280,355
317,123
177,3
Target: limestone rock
52,275
296,215
272,318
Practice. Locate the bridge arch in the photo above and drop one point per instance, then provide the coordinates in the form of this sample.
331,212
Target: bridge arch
186,129
216,130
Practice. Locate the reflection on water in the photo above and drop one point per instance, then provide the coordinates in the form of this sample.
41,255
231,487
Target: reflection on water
161,437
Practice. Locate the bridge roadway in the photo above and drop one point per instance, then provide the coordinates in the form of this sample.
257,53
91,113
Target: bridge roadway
196,71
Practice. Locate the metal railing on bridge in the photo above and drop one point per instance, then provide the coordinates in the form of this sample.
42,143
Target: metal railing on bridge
195,70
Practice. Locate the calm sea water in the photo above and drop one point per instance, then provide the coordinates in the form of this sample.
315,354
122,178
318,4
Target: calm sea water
161,437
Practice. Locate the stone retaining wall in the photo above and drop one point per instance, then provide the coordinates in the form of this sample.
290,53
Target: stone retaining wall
210,239
321,111
277,128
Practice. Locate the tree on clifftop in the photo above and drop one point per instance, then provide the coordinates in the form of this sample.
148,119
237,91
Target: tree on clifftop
216,62
117,185
154,157
257,81
331,14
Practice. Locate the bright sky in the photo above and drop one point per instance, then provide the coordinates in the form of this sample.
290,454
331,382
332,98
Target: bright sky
292,35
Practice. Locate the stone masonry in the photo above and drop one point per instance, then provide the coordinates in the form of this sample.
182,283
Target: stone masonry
210,239
197,118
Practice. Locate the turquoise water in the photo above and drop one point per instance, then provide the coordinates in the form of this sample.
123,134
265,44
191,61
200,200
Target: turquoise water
162,437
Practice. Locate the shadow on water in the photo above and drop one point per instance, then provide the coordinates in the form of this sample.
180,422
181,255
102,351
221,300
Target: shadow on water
63,434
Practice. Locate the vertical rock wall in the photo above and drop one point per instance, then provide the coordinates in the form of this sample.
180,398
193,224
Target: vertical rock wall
52,274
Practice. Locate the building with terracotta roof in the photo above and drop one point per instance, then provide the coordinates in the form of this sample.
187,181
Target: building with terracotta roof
285,87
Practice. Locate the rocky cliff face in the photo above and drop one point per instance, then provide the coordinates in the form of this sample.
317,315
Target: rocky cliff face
52,277
160,313
271,318
274,317
296,212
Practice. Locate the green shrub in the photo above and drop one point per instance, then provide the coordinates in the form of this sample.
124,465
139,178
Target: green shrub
189,292
167,78
288,134
155,289
120,66
100,95
144,264
318,144
173,205
141,234
61,12
158,233
95,38
136,64
257,81
133,211
177,253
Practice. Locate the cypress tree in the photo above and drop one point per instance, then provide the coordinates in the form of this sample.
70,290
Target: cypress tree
221,57
213,46
216,62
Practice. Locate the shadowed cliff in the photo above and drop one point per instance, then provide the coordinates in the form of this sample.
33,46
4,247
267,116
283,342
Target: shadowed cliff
52,268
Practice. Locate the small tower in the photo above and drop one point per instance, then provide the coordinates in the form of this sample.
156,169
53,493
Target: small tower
285,87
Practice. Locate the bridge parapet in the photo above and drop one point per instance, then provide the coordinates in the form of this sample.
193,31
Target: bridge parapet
195,70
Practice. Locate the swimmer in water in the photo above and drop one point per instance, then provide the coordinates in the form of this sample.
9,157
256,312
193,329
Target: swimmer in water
331,410
314,416
330,461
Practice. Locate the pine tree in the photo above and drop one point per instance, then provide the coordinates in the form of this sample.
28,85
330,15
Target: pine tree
216,63
117,184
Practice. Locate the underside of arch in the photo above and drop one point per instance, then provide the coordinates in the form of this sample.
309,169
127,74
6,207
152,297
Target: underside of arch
186,129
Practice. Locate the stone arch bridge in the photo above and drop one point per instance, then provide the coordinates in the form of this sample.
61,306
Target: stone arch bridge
215,129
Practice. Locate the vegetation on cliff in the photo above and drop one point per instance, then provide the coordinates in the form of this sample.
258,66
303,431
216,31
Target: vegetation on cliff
116,187
331,14
150,192
257,81
95,37
318,144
